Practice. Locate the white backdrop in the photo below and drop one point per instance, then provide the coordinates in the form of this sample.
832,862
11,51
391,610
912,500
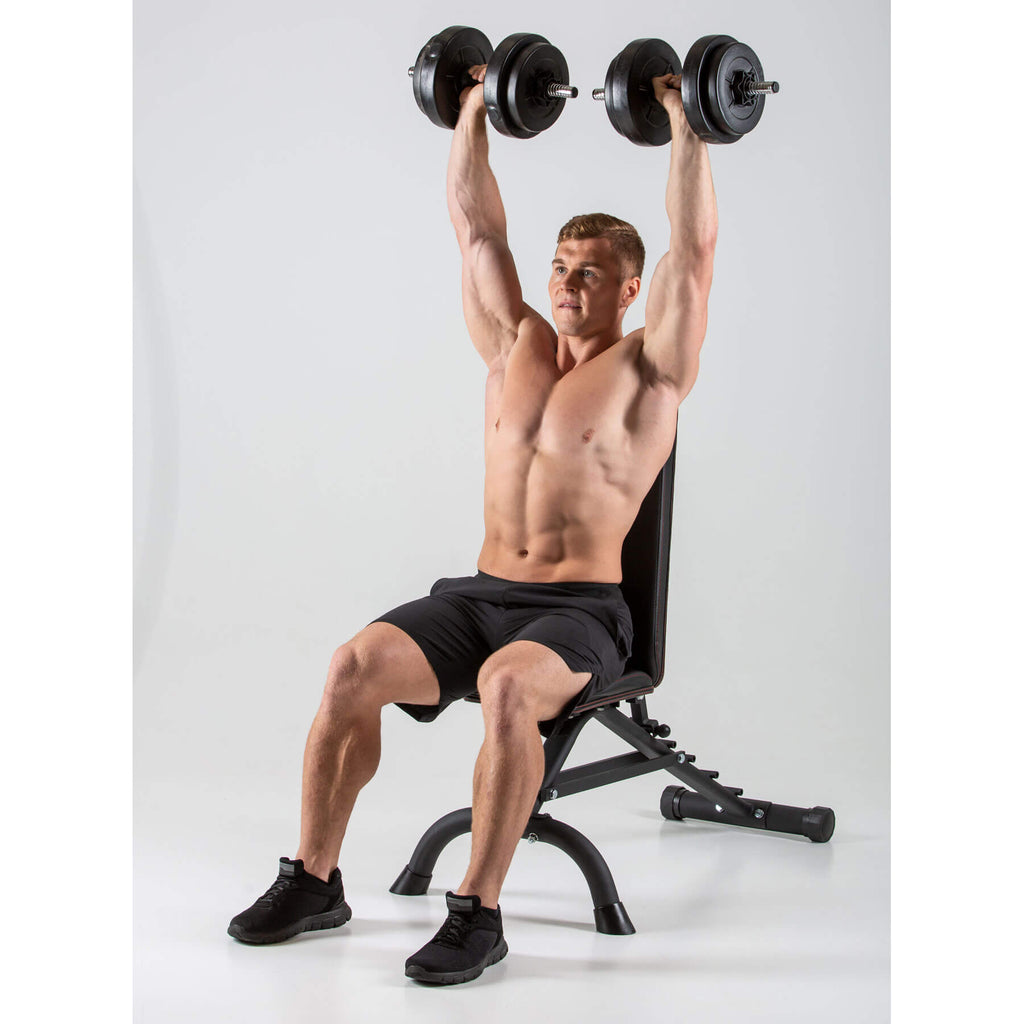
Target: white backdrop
308,406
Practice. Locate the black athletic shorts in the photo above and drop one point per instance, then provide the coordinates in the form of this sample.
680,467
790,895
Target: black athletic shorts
467,618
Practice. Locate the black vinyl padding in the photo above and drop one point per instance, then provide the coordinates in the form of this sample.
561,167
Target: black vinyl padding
645,554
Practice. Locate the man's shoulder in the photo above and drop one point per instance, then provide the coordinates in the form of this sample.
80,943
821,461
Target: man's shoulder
535,337
534,329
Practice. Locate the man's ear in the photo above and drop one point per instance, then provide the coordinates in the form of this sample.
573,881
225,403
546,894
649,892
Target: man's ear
631,289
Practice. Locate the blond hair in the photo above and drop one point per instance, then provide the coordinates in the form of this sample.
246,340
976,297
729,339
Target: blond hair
627,247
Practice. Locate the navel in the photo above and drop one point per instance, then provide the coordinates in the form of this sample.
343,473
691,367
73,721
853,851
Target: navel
523,552
497,423
587,435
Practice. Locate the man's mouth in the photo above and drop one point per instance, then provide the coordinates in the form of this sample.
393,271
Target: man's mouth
568,305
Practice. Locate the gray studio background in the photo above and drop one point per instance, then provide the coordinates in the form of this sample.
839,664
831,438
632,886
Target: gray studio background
308,406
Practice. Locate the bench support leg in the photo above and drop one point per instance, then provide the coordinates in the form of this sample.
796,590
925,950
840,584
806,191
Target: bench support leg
610,917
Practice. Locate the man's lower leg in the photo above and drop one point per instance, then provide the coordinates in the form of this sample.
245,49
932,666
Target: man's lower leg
342,752
341,756
506,780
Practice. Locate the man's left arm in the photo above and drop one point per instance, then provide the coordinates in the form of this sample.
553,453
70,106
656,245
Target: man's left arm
677,304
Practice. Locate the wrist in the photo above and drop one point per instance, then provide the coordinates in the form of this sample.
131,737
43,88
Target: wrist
680,125
472,108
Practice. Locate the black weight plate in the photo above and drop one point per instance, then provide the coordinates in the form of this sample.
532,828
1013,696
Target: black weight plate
629,95
728,107
441,71
534,68
499,71
696,99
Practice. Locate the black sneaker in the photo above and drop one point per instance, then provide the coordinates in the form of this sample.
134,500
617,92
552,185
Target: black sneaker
467,942
296,902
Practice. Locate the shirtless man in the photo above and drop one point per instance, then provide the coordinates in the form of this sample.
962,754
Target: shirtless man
579,422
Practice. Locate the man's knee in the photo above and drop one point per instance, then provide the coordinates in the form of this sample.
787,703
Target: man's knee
379,665
505,695
527,680
350,679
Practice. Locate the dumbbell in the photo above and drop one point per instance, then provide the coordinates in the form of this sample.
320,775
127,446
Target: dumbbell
525,86
723,90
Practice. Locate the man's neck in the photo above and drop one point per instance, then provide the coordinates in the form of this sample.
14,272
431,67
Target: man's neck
572,351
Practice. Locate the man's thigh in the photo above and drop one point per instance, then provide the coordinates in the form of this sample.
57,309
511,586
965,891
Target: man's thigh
530,671
454,635
580,654
393,663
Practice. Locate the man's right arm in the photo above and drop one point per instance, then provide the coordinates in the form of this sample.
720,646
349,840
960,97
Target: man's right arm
492,298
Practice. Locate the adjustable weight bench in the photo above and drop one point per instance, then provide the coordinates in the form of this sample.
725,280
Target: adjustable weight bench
645,558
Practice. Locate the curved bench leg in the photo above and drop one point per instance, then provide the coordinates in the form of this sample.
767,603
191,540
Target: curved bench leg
416,876
610,917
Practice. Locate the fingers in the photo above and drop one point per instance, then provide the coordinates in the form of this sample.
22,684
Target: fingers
476,72
668,90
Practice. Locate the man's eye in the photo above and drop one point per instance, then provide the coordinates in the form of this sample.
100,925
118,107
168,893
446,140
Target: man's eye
559,270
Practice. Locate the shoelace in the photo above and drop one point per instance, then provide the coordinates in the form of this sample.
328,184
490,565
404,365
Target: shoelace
279,886
453,931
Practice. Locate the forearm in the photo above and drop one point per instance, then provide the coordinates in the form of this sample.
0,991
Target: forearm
690,197
677,304
474,202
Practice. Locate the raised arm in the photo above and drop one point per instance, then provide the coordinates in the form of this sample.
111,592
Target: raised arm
492,298
677,303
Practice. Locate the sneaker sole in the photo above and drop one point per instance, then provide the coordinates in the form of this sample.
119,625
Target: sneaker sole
332,919
457,977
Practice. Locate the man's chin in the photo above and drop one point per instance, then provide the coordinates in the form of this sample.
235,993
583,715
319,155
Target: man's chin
569,317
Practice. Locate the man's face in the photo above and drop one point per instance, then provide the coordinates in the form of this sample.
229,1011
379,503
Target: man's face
586,293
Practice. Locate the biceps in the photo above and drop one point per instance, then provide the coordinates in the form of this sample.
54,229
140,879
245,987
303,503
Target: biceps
679,288
676,319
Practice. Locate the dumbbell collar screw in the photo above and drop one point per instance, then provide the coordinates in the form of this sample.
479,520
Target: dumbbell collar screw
746,88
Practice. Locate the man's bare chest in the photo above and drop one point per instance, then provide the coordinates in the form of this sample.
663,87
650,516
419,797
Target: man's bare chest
600,410
531,403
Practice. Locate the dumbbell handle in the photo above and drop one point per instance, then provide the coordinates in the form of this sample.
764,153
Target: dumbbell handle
555,91
754,87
